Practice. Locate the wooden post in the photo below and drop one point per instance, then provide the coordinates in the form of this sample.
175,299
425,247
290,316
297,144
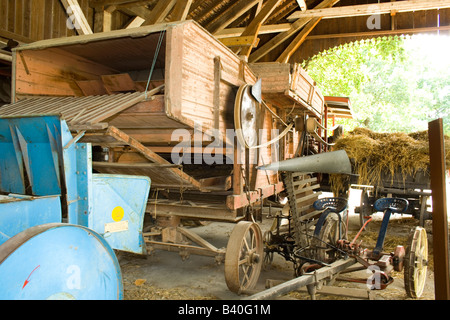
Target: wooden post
159,12
216,102
181,10
298,41
77,16
256,23
440,222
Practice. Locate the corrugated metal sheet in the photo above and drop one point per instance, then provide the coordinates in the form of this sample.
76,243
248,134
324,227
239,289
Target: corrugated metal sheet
75,110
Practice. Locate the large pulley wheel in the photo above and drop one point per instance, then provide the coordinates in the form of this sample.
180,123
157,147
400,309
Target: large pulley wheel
246,117
59,262
244,257
416,263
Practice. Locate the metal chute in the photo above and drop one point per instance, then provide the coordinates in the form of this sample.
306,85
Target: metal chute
328,162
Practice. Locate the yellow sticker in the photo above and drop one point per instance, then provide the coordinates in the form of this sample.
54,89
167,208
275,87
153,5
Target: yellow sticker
118,213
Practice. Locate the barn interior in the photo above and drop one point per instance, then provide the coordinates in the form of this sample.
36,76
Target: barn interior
126,74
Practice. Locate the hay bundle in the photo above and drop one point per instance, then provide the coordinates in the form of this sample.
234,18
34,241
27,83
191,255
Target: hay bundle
373,154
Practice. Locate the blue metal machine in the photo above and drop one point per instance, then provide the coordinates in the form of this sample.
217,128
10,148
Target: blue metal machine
59,222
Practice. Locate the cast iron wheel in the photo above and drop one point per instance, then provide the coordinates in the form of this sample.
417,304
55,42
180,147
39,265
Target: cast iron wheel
416,262
325,243
244,257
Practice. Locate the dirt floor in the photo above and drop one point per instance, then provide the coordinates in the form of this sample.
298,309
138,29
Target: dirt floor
163,275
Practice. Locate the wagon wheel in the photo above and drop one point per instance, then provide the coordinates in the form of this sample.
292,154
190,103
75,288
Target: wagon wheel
244,257
325,243
365,208
416,262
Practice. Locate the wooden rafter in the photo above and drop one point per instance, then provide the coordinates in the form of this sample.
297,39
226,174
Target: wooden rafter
255,25
369,9
103,18
14,36
101,3
141,12
302,4
202,11
265,29
160,11
298,41
282,37
135,22
77,16
231,14
181,10
281,12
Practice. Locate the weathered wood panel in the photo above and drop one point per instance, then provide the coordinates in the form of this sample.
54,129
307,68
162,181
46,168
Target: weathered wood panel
33,20
53,72
38,19
190,77
284,85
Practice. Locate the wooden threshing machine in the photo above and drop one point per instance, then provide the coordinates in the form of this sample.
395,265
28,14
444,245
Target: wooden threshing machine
172,103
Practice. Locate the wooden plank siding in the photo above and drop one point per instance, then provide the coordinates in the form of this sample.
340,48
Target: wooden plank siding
35,20
53,72
58,67
38,19
190,91
284,85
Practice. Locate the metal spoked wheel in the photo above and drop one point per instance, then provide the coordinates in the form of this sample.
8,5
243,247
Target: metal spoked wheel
326,242
244,257
416,263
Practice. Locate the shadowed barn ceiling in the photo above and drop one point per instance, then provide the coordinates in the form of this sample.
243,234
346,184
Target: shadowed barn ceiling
262,30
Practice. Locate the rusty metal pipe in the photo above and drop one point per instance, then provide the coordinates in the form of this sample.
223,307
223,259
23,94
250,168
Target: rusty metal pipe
302,281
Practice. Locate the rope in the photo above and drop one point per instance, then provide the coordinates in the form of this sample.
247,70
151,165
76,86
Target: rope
155,57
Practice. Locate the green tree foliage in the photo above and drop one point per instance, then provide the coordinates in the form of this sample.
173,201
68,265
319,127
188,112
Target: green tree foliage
394,83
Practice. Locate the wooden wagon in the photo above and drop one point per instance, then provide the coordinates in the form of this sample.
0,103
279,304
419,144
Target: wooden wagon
413,187
156,100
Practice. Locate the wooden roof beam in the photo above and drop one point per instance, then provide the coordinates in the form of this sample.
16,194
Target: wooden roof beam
181,10
138,10
302,5
281,12
265,29
4,34
201,12
103,3
103,18
77,16
298,41
369,9
160,12
231,14
282,37
255,25
141,12
135,22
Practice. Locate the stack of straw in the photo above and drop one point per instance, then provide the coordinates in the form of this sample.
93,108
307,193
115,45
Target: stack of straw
373,154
